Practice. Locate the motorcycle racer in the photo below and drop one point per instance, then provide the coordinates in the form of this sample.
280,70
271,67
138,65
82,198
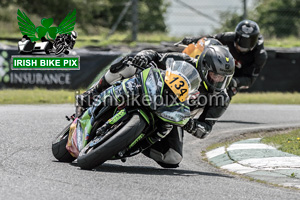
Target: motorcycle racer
70,40
246,45
215,66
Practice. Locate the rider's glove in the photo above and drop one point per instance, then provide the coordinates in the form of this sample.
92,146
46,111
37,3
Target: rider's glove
232,87
196,128
188,40
238,64
140,61
126,60
119,65
87,98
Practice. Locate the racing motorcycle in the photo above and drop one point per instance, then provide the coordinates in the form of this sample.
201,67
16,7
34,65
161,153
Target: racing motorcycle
104,131
60,46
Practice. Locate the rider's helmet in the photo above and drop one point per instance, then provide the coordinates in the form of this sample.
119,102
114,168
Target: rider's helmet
73,35
212,41
246,36
216,68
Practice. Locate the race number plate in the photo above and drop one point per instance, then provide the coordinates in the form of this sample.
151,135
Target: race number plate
178,85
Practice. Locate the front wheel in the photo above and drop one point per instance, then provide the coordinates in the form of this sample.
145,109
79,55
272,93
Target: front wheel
59,150
120,136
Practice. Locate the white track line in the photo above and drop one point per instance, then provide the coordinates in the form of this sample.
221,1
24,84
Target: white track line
272,162
215,152
248,146
235,167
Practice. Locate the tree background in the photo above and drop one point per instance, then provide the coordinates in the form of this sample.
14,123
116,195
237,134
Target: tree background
276,18
92,14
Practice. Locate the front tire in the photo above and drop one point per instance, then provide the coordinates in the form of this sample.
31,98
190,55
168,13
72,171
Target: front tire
59,150
90,158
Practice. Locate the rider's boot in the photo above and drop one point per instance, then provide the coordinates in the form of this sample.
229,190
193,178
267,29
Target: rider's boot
87,98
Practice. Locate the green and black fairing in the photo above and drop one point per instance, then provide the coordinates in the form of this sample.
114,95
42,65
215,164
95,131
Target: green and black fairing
153,89
177,114
150,85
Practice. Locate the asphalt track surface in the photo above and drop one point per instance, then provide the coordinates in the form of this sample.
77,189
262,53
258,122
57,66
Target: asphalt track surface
29,171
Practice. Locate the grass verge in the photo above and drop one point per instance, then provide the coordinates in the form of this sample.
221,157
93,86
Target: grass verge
288,142
267,98
286,42
119,38
44,96
266,134
124,38
36,96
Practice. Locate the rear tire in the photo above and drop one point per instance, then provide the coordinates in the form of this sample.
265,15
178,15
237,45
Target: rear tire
59,150
90,158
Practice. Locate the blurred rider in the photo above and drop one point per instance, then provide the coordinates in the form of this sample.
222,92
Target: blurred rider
246,45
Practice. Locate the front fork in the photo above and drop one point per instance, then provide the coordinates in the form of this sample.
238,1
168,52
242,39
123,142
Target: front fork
135,147
119,116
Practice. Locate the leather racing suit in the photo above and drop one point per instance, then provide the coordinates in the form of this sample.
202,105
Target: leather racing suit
168,151
248,65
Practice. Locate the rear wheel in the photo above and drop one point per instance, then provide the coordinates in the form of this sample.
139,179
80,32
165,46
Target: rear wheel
59,150
116,139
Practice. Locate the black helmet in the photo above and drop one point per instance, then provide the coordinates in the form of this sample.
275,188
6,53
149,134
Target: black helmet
212,41
246,35
216,68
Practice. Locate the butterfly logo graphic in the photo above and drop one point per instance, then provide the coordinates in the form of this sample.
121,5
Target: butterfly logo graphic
27,27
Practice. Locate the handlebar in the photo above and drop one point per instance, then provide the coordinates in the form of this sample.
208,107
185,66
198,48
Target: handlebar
179,44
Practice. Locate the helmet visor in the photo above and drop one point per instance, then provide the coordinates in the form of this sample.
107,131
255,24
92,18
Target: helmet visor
246,43
217,81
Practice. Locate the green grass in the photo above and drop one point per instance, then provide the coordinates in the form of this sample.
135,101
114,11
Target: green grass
289,142
124,38
119,38
36,96
44,96
286,42
268,98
